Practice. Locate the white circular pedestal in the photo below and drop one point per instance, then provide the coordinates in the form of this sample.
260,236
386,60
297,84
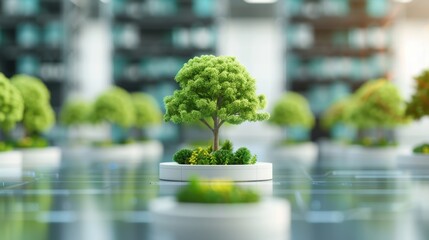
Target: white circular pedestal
10,165
304,154
172,171
413,161
371,157
49,157
117,153
150,150
333,154
268,219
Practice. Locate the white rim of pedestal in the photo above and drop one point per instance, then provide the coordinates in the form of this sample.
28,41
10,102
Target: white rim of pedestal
116,153
41,157
269,216
10,165
172,171
414,160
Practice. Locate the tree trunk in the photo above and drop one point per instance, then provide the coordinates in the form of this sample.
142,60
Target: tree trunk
215,139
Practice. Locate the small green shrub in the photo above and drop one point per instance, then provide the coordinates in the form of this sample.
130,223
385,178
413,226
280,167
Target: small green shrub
32,142
227,145
182,156
423,149
201,156
4,147
215,192
223,156
242,156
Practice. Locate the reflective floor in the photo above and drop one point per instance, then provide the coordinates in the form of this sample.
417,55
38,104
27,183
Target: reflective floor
89,200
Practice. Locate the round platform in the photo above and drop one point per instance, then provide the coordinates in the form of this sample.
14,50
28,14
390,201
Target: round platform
117,153
304,154
413,160
10,165
41,157
172,171
371,158
268,219
150,150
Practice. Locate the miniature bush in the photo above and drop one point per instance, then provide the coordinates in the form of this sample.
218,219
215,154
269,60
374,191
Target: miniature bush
227,145
201,156
292,110
114,106
214,90
223,157
182,156
75,113
146,110
215,192
242,156
38,113
418,106
337,113
11,104
422,149
377,104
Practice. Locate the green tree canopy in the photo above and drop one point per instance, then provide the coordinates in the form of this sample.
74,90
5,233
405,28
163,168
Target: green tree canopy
339,112
75,113
292,109
215,88
38,113
377,103
146,109
114,106
11,104
418,106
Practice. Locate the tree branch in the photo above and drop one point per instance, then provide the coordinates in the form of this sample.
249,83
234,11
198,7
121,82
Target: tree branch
207,124
221,123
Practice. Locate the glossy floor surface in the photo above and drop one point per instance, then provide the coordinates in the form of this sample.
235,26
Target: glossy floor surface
92,200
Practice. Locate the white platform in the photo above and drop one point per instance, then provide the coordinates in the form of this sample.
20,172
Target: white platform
413,160
371,157
117,153
150,150
10,165
172,171
304,154
49,157
268,219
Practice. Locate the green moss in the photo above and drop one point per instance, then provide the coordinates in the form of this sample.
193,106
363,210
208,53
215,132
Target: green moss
32,142
5,146
376,143
215,192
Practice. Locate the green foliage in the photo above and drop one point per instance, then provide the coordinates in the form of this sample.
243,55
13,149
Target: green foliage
418,106
38,113
370,142
292,110
4,147
422,149
182,156
377,104
215,192
243,156
201,156
227,145
11,104
114,106
75,113
337,113
32,142
223,157
146,109
215,88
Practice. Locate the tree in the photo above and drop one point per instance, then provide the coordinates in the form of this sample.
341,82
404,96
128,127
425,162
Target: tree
292,110
146,109
337,113
377,104
114,106
418,106
11,104
38,113
75,113
214,90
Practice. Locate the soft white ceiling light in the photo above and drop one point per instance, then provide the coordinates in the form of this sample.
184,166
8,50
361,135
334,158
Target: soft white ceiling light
260,1
404,1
